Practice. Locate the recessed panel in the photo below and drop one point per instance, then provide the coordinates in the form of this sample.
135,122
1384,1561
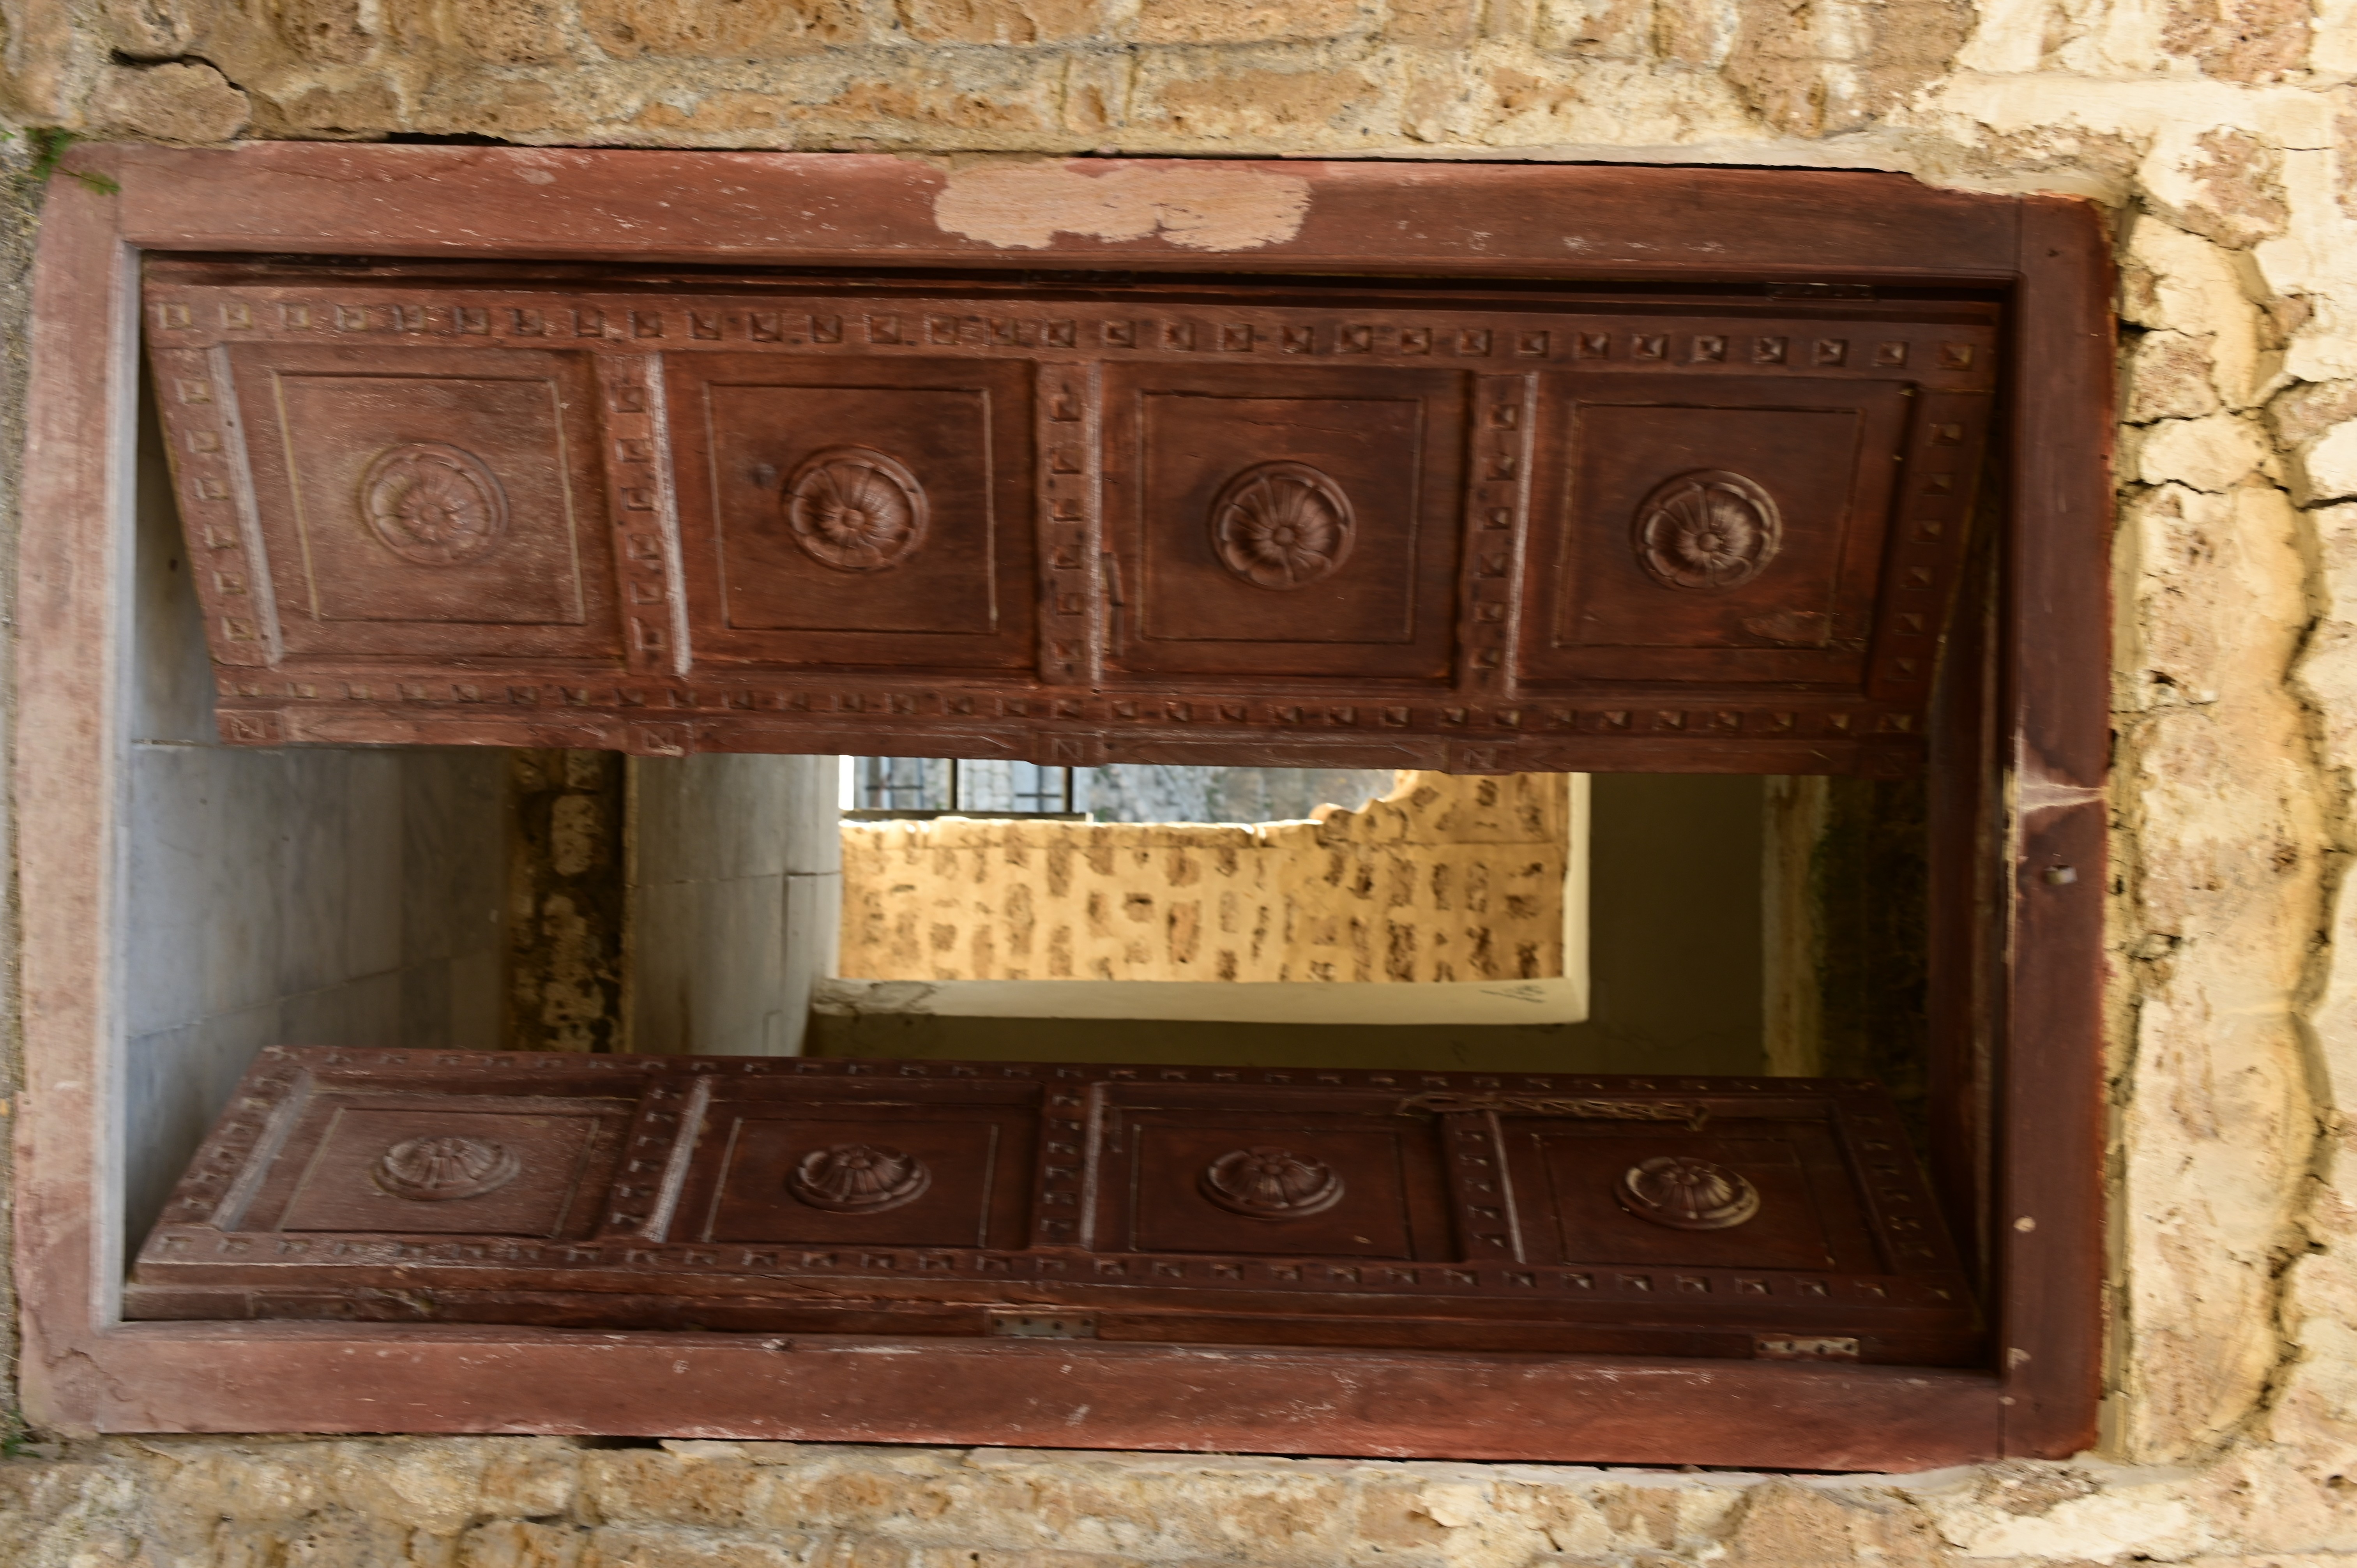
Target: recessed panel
1224,1185
420,502
440,1170
857,514
1730,1202
1172,1204
1731,536
433,499
855,509
1732,523
1276,522
906,1179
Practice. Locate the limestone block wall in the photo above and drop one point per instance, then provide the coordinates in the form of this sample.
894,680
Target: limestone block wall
1444,878
2219,133
510,1502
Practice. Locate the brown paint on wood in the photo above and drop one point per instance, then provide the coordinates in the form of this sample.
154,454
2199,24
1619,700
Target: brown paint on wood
221,1376
2056,723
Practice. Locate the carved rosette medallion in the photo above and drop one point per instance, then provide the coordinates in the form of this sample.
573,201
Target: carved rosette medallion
1272,1184
855,510
1707,529
858,1178
1282,525
435,1169
431,503
1687,1194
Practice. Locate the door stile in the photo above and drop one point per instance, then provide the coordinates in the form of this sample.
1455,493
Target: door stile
644,503
1067,405
1496,523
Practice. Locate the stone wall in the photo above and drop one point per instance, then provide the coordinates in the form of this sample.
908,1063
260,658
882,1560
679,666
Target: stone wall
1444,878
2215,130
552,1503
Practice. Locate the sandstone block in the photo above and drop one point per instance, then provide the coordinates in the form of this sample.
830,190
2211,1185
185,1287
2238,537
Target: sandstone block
2178,280
1249,21
2239,40
522,111
2326,470
1787,1526
1431,21
521,1544
1824,67
632,1485
479,33
317,32
146,30
719,29
1262,107
2300,413
2228,189
193,104
866,110
2168,375
1005,21
2097,1529
2215,453
364,107
644,1547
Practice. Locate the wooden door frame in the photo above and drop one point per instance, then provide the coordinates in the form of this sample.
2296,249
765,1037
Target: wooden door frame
84,1370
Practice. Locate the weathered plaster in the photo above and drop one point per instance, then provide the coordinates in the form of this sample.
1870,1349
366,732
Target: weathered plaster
1206,208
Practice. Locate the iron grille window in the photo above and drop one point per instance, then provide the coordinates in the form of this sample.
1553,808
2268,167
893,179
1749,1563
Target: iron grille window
921,786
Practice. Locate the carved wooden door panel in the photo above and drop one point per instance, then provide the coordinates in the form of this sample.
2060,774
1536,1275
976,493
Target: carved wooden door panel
1330,496
862,516
1309,522
1750,1217
1733,535
433,498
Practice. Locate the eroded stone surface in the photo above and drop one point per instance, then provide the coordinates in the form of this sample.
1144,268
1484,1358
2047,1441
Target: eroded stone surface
550,1503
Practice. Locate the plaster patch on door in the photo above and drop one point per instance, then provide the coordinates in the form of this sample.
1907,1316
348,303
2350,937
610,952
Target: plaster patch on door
1026,206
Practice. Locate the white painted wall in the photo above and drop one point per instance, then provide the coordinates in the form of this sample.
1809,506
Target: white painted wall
736,885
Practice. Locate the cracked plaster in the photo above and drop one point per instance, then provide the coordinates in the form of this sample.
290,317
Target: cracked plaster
2219,132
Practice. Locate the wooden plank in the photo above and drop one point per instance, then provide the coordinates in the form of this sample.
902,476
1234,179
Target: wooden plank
2057,651
1035,1393
833,208
69,649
